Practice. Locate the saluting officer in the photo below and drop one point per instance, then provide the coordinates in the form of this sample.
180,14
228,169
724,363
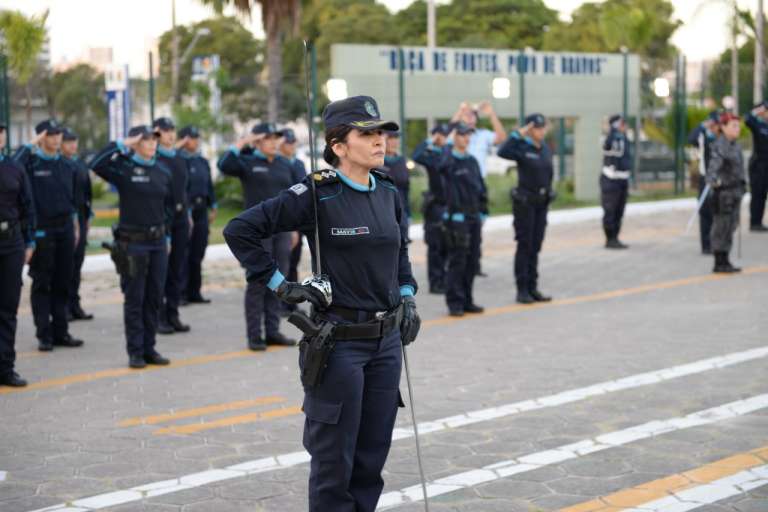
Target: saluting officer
202,199
17,224
288,150
395,166
530,202
168,156
54,182
757,122
725,174
429,154
141,239
83,200
702,137
466,202
614,180
351,413
263,174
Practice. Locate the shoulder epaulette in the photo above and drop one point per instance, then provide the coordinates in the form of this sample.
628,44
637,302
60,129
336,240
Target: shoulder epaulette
325,177
381,175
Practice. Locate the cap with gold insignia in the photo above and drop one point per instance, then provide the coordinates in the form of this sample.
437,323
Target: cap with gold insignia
359,112
49,126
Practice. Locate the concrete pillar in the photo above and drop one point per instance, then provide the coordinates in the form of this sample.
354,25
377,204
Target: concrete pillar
587,157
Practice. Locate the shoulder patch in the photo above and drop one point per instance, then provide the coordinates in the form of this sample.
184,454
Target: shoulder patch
298,189
325,176
382,175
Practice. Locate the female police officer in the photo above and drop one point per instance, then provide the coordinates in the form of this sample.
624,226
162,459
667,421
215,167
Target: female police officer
351,412
530,201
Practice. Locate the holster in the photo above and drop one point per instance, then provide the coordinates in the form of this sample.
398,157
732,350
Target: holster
315,347
118,253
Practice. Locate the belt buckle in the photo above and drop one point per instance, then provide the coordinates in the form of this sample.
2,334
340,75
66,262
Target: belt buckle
179,207
542,191
380,315
5,225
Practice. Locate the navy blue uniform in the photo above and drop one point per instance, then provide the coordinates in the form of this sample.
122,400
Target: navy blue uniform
614,181
262,180
83,202
177,166
702,139
530,204
394,165
758,169
429,155
466,200
351,413
201,198
17,223
293,265
147,203
53,182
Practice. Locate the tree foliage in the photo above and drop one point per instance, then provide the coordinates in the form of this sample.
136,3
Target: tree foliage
77,99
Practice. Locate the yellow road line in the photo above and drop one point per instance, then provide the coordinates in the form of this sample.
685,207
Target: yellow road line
664,285
121,372
200,411
227,422
657,489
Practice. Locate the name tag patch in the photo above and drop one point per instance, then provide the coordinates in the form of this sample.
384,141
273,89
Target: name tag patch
42,173
534,156
140,179
298,189
350,231
259,168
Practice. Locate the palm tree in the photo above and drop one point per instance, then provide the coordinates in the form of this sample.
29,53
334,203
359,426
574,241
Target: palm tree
278,17
24,38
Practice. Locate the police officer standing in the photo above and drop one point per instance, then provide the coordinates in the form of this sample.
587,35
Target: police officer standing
702,137
530,202
725,174
54,182
466,201
168,157
202,199
17,224
140,253
429,154
351,409
614,180
757,122
263,174
395,166
288,151
83,199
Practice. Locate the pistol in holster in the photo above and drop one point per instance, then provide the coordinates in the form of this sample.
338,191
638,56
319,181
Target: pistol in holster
315,347
118,252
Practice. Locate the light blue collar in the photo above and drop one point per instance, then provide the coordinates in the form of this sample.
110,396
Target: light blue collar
259,154
42,154
136,158
391,158
356,186
460,156
169,153
188,154
2,157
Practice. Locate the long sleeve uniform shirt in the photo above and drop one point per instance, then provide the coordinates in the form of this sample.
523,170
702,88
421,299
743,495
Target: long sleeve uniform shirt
726,166
534,164
362,250
83,192
17,207
200,182
177,166
759,129
616,151
465,192
430,156
261,179
395,166
53,182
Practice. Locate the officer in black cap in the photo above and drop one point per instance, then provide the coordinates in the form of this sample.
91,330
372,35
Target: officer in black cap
429,154
757,122
17,243
54,182
140,249
702,137
466,202
530,201
614,180
254,159
397,168
350,412
83,199
288,150
203,202
168,156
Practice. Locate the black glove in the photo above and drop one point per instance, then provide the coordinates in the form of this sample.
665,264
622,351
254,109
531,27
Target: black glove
295,293
411,323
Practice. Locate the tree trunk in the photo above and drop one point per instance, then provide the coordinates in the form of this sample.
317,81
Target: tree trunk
274,71
757,91
735,62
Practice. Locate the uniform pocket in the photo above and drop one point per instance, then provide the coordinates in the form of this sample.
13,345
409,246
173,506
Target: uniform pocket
324,412
322,436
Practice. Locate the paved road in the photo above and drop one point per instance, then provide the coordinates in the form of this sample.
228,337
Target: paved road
642,387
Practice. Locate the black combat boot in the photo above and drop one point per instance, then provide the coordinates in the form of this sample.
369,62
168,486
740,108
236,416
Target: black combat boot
524,296
539,297
723,265
731,268
12,379
175,323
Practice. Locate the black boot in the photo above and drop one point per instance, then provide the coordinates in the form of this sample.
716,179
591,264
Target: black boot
722,265
524,296
731,268
13,380
76,313
176,324
615,243
280,339
68,341
257,344
538,296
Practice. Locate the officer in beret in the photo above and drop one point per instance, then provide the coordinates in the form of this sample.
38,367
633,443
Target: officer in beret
395,166
288,151
530,201
263,173
168,157
202,199
429,154
757,122
350,412
140,251
83,200
54,182
614,180
702,137
17,243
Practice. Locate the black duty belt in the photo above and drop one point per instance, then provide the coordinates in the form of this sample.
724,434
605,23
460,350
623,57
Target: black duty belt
200,201
377,325
140,233
9,229
54,222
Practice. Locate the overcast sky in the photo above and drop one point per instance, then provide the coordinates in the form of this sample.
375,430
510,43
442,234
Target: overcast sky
130,27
